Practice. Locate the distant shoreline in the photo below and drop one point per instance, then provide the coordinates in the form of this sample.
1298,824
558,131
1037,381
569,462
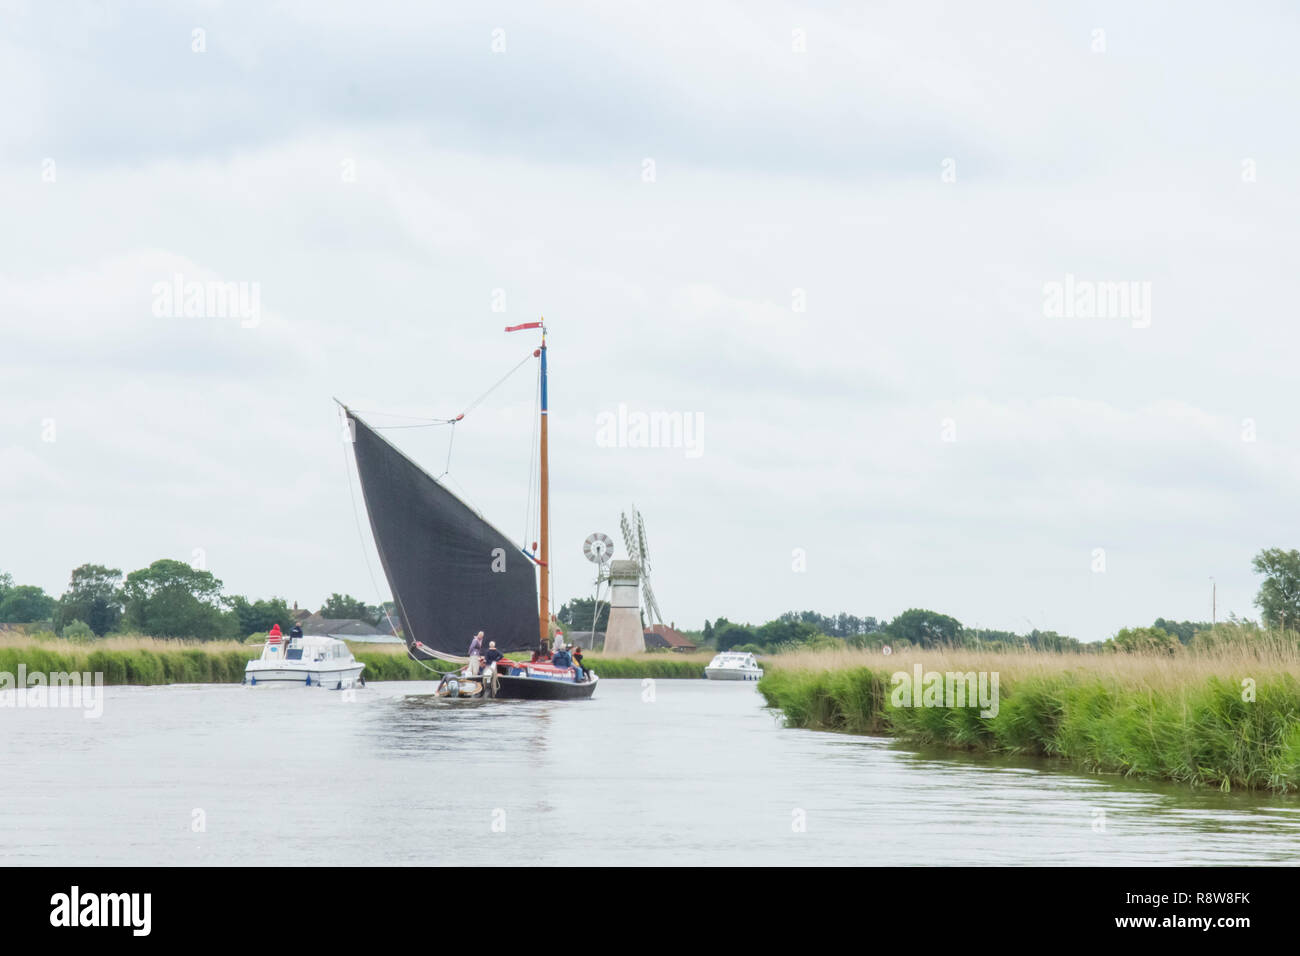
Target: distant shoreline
145,661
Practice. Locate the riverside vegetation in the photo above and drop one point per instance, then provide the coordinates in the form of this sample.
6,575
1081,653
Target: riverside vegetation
130,659
1223,711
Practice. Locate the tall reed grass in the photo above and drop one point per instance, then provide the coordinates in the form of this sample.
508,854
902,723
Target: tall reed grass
658,666
130,660
1225,716
135,659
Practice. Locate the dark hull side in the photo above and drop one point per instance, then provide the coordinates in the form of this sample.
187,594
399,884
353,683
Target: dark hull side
531,688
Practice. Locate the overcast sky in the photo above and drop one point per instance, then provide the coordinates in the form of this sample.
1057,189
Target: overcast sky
824,233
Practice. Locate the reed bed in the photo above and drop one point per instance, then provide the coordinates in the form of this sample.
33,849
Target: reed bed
387,665
134,659
667,666
1226,716
130,659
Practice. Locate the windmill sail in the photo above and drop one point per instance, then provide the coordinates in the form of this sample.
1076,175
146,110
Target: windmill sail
451,573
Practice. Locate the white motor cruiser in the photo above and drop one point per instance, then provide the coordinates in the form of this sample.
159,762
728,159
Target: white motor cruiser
309,660
733,665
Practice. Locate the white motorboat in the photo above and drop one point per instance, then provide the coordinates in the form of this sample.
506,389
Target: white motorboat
311,661
733,665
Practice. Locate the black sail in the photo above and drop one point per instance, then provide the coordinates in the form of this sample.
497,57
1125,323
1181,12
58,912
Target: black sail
451,573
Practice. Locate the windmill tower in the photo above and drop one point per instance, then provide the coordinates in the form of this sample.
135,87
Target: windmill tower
629,589
623,634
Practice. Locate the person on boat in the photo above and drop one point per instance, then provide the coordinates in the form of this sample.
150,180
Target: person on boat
493,655
561,657
577,663
475,648
295,631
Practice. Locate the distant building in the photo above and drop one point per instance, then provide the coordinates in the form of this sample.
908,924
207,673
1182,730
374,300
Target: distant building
664,637
346,629
587,640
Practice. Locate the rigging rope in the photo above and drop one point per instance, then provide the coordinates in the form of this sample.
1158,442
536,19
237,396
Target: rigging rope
431,422
426,422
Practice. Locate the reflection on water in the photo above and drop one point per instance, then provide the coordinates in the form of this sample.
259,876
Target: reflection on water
701,774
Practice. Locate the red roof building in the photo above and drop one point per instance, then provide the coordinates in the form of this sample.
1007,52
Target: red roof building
661,635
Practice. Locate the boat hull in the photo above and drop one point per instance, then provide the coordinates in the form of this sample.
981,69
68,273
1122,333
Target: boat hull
331,678
538,688
731,673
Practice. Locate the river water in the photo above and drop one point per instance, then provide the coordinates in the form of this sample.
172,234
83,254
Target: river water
671,772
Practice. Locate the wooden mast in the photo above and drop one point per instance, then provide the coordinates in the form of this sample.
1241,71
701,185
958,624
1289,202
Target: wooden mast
544,554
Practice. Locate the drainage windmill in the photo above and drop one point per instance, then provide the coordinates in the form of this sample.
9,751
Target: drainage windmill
625,633
639,551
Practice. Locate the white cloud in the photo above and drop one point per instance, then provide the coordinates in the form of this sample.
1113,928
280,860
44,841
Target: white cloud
822,427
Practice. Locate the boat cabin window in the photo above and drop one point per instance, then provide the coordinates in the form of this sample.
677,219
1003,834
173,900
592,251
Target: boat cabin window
294,653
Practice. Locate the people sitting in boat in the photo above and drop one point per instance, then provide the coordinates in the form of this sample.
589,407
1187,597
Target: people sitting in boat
295,631
561,657
493,655
577,662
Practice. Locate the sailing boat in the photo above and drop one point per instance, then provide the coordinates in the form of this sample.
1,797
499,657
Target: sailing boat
452,574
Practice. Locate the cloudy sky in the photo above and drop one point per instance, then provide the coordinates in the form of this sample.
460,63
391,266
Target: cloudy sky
824,233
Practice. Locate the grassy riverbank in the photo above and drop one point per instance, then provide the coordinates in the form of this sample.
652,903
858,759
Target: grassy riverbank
1185,717
147,660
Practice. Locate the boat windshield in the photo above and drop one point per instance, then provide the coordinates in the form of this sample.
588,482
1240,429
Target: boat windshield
294,652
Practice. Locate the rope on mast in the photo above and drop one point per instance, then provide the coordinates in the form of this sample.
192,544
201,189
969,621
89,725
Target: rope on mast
430,422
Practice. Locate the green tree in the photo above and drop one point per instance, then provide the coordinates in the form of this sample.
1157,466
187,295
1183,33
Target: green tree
577,613
1051,641
171,599
94,596
25,604
77,631
1146,640
732,635
839,625
257,617
1183,630
344,607
784,630
925,628
1279,595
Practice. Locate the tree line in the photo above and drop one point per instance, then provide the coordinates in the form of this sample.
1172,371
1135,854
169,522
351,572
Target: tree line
920,627
169,598
1278,600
